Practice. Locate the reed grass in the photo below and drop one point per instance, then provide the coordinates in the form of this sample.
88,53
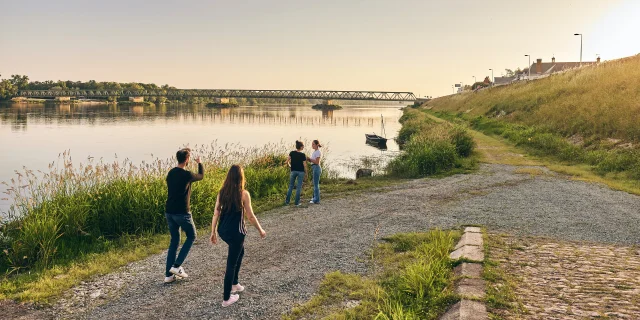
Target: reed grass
78,209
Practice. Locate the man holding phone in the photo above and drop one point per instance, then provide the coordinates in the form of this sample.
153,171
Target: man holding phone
178,213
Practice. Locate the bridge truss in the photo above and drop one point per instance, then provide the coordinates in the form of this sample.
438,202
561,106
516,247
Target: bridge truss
224,93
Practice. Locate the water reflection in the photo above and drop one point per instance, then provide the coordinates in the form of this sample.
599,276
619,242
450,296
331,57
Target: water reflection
19,116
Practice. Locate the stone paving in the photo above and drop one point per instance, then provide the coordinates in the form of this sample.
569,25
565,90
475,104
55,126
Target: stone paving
569,280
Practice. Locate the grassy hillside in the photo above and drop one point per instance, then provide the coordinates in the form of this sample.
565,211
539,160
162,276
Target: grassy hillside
590,104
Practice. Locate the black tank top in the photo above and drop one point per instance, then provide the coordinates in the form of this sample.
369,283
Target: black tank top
232,222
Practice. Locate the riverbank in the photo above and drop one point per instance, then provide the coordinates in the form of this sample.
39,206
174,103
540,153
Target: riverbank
86,220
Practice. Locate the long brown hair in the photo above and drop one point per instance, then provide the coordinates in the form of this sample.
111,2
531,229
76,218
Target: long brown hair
232,189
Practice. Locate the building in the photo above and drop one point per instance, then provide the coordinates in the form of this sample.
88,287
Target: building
542,69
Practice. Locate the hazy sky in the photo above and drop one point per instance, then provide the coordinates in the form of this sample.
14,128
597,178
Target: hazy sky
403,45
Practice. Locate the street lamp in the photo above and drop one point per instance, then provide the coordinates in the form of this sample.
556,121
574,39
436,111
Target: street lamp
529,65
474,79
492,78
453,90
580,34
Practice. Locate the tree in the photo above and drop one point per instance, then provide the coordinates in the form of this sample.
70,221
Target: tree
487,80
20,82
509,72
7,89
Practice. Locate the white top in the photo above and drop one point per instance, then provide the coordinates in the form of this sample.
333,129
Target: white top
316,154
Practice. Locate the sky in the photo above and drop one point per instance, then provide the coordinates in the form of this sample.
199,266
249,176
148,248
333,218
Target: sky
403,45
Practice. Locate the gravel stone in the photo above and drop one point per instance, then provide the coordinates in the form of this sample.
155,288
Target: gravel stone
304,244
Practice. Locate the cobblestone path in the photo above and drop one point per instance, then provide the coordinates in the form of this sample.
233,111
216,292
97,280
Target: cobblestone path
570,280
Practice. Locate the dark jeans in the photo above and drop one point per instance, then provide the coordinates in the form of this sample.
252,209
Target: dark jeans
292,180
234,261
175,222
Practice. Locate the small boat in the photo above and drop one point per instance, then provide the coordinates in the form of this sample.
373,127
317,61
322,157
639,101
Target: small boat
376,140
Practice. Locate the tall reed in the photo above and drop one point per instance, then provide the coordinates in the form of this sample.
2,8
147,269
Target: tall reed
78,208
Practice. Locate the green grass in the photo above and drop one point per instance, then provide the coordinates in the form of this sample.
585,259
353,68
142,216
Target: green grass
598,162
413,281
594,102
430,147
500,285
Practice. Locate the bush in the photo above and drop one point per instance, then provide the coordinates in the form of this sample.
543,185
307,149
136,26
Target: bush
424,156
462,140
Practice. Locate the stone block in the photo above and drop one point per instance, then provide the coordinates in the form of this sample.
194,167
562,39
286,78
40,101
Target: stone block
468,270
467,310
472,229
473,253
471,288
470,239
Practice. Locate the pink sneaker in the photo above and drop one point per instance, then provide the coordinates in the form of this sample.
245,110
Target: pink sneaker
237,288
232,299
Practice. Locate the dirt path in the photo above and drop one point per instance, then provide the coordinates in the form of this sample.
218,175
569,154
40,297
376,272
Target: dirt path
304,244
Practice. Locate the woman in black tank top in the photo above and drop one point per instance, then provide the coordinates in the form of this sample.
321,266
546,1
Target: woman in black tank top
232,205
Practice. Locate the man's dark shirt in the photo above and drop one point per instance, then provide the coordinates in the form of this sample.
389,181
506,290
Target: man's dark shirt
179,185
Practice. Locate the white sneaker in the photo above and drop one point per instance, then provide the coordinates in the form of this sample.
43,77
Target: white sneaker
311,202
237,288
170,279
232,299
179,271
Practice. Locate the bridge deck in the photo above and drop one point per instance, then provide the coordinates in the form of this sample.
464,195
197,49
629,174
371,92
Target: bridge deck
224,93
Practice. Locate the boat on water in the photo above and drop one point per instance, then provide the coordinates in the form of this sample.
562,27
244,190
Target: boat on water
376,140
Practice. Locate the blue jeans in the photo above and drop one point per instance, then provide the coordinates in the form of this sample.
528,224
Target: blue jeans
292,179
175,222
317,171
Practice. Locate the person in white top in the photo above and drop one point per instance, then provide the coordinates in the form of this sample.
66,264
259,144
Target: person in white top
315,158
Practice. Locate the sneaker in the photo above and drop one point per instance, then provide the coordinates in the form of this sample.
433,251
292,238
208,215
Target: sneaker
179,271
170,279
237,288
232,299
311,201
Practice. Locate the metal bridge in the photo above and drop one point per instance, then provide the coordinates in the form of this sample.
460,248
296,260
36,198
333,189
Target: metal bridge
224,93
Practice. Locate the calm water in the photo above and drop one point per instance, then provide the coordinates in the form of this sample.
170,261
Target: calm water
34,135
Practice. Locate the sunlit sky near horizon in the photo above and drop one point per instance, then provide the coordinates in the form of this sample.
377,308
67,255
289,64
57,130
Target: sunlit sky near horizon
403,45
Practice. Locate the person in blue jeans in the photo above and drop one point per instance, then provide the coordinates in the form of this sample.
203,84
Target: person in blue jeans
316,170
296,161
178,213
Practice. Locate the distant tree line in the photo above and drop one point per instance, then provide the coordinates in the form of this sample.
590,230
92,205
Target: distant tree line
9,88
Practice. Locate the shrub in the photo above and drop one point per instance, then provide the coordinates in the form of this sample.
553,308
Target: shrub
462,140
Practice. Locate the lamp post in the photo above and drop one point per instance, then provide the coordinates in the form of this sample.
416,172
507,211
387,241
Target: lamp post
580,34
453,90
529,65
474,79
492,78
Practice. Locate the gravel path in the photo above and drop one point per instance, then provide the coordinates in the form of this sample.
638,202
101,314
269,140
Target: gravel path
304,244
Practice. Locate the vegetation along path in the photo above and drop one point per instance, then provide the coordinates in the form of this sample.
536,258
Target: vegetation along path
304,244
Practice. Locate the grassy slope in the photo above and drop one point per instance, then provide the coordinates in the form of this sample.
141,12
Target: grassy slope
594,102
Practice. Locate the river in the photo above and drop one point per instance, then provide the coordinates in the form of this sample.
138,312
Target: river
34,135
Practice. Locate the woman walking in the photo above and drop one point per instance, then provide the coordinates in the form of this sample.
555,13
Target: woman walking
316,169
296,161
232,205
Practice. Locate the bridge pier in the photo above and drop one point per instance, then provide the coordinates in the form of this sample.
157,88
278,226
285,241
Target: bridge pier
328,102
62,99
221,100
136,99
